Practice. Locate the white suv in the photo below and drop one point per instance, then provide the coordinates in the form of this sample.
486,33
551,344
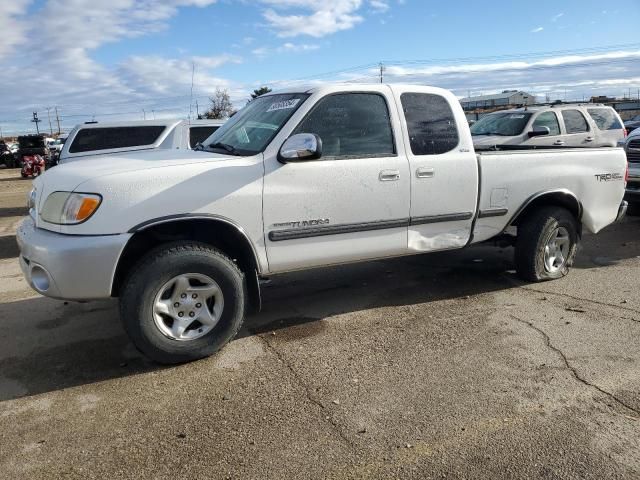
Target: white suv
566,125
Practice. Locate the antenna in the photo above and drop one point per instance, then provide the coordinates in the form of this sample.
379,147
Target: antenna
193,72
382,69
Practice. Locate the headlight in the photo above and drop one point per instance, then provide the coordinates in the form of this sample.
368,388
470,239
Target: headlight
68,208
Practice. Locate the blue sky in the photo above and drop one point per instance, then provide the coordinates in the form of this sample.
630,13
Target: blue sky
113,59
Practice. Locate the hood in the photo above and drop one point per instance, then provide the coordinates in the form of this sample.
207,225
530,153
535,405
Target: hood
68,176
490,140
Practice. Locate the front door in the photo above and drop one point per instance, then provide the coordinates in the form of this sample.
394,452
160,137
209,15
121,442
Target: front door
444,170
353,202
547,119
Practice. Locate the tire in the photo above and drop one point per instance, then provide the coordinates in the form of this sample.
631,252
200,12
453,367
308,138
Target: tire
633,210
153,333
535,232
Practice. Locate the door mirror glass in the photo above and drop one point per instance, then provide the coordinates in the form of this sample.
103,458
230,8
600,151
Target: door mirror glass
300,147
539,131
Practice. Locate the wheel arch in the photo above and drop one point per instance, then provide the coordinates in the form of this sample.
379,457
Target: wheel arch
218,232
560,197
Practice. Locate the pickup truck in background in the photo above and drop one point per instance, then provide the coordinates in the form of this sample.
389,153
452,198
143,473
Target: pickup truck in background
632,195
564,125
93,138
295,180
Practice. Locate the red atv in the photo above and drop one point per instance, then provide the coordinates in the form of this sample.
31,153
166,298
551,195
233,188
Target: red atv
32,166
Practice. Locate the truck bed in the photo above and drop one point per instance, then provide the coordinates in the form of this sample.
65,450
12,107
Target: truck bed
509,176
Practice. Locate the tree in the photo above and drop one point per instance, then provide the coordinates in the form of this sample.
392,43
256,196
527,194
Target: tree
221,106
259,91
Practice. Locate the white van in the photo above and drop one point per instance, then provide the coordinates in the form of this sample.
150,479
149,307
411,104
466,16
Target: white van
566,125
91,139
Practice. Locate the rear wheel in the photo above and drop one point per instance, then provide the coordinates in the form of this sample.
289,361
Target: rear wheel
546,244
183,302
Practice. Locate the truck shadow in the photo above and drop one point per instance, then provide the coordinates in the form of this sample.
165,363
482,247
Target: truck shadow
8,247
49,345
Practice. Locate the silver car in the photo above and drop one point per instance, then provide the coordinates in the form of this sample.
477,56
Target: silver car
591,125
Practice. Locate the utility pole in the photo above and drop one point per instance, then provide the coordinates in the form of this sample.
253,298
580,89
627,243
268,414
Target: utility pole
49,117
36,120
382,69
58,120
1,136
193,72
144,114
197,111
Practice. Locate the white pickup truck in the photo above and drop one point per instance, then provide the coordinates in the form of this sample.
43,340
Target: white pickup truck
300,179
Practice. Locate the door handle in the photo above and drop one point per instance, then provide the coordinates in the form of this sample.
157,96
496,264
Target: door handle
558,142
425,172
389,175
589,139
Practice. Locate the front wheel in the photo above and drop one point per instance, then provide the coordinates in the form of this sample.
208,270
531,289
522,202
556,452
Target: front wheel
546,245
183,302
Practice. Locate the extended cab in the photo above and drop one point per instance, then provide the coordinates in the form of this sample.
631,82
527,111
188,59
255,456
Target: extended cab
300,179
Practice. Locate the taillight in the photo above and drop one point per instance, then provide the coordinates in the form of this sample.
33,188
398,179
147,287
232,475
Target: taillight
626,175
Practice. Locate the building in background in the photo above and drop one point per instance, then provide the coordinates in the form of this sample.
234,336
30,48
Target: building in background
508,98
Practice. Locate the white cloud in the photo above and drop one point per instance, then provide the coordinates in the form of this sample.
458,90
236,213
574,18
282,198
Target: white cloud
12,27
287,47
557,17
537,30
316,18
379,6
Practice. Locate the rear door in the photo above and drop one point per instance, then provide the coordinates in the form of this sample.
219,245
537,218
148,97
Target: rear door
578,132
444,171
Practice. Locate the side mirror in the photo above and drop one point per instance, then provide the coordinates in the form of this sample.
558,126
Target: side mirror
300,147
539,132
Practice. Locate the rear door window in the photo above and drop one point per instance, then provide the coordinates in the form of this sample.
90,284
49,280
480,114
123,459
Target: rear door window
574,121
549,120
107,138
200,134
430,123
605,118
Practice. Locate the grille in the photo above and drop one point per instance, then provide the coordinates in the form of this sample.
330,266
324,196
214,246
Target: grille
633,151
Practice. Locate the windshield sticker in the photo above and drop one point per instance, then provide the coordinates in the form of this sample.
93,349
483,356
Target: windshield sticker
284,105
516,116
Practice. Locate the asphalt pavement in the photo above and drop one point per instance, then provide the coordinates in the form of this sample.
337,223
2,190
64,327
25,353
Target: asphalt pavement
432,366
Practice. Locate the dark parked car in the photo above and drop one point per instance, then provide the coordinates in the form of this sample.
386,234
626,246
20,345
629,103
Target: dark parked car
6,157
33,145
632,124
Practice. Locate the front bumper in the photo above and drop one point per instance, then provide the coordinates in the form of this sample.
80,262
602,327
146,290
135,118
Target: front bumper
69,267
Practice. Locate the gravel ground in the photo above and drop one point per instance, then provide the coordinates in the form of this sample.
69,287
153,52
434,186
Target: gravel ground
435,366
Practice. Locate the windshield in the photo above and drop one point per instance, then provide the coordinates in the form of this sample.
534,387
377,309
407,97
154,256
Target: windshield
506,124
250,130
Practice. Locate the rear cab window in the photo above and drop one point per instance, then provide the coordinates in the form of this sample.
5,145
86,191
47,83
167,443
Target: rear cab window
605,118
574,121
431,125
107,138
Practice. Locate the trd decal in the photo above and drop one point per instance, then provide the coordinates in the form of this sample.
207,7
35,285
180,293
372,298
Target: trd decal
609,177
